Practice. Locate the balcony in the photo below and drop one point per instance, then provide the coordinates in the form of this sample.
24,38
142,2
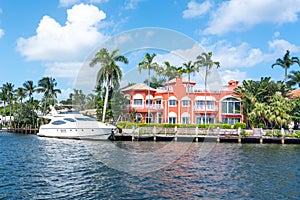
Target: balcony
146,107
208,108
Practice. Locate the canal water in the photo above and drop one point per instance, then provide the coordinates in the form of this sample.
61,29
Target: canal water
43,168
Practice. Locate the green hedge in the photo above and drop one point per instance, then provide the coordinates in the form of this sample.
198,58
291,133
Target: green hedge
241,125
129,125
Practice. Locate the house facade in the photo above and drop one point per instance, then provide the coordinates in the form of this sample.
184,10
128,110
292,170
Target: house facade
179,103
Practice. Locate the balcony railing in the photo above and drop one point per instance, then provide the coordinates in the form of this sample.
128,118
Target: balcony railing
208,108
150,106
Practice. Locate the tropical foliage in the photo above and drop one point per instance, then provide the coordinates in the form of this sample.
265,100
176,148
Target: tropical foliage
265,103
109,72
205,60
286,62
22,107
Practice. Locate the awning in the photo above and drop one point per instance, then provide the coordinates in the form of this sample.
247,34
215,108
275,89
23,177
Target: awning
172,114
185,114
186,98
172,98
138,96
149,97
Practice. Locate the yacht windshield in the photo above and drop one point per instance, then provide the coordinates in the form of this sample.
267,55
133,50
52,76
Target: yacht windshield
85,119
58,122
70,119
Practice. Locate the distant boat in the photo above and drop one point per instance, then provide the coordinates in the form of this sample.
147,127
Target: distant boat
69,124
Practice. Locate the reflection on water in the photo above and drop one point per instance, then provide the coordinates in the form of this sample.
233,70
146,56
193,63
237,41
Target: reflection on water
41,168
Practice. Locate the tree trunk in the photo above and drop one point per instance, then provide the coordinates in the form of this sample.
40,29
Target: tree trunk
4,113
10,115
188,93
285,75
45,106
31,100
148,110
205,87
106,99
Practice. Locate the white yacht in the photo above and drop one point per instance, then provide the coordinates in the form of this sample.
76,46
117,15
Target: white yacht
70,124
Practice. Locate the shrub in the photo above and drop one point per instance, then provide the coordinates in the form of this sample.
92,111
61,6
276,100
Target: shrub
241,125
277,133
243,132
129,125
227,126
289,135
124,124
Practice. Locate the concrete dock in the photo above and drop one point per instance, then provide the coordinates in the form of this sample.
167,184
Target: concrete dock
216,139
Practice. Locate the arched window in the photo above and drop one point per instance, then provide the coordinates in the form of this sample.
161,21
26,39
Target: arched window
158,117
172,101
200,119
185,101
149,118
138,100
185,118
138,117
172,118
231,105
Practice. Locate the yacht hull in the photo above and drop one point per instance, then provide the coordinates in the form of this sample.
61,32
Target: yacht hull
76,133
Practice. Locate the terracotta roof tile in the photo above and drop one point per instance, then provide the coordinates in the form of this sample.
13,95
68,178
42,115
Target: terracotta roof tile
138,86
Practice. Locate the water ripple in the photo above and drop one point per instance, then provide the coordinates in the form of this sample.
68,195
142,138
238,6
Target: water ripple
40,168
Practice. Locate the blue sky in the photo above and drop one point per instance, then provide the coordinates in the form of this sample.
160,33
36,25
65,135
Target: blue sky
55,38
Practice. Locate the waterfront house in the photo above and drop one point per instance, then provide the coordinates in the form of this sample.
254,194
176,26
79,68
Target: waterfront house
179,102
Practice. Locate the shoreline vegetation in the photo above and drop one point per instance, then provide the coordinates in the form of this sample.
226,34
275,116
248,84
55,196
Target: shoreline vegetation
266,104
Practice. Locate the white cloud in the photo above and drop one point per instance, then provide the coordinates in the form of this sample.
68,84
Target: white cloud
1,30
98,1
63,69
279,46
56,43
231,56
66,3
1,33
132,4
238,15
196,9
236,74
276,34
189,54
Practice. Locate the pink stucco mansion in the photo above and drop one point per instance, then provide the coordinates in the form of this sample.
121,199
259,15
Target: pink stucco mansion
179,103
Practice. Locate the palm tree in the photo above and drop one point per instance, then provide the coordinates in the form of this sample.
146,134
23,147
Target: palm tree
30,88
294,78
91,100
47,86
148,64
189,68
286,62
109,72
3,97
78,98
21,94
169,72
204,60
8,88
155,82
